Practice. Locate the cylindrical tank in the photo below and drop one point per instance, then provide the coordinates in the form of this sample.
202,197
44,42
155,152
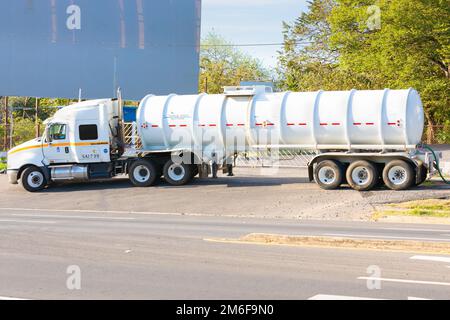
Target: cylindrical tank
254,116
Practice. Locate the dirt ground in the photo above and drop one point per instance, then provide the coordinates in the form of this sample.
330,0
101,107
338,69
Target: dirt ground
253,192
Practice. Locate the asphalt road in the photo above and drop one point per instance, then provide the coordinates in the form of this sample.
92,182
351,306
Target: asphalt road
260,193
165,256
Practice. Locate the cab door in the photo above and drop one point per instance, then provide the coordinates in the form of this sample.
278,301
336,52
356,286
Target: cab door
57,145
92,145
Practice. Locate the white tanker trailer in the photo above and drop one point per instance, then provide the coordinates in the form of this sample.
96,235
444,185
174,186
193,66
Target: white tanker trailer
361,137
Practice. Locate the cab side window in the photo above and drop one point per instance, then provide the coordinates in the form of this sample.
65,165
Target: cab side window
88,132
57,132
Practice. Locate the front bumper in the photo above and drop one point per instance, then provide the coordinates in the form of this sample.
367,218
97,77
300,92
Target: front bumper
12,176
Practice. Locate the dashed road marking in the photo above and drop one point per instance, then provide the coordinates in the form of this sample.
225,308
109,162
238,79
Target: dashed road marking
338,297
11,298
383,237
431,258
27,221
436,283
70,217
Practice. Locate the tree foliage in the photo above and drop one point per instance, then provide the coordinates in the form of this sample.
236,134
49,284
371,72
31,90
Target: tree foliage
409,48
224,65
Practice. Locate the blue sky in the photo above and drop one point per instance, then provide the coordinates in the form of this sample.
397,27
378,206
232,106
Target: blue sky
251,21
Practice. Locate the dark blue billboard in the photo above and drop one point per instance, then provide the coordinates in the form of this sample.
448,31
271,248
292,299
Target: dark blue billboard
52,48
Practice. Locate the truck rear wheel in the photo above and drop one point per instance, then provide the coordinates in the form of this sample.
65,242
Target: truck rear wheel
362,175
398,175
329,174
177,174
143,173
33,179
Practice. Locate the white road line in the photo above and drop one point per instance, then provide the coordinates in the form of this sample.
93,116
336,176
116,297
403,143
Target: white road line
417,298
11,298
406,281
28,221
93,211
414,229
70,217
337,297
431,258
381,237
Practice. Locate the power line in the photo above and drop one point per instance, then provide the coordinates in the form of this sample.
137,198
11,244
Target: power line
254,44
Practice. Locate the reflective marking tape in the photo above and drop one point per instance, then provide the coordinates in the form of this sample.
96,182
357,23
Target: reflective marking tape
302,124
336,124
291,124
183,125
323,123
369,123
356,123
241,124
65,144
212,125
229,124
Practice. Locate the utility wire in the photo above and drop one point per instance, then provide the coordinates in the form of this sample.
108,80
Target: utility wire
254,44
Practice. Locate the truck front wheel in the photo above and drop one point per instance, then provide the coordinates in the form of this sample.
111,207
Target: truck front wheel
33,179
143,173
177,174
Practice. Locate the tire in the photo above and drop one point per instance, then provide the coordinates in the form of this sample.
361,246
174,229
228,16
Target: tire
423,175
33,179
362,175
177,174
398,175
143,173
329,174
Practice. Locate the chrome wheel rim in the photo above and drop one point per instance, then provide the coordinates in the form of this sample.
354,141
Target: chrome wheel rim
141,173
360,176
327,175
397,175
176,172
35,179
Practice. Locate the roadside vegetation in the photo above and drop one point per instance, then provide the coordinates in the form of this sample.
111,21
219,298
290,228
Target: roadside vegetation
438,208
345,44
2,164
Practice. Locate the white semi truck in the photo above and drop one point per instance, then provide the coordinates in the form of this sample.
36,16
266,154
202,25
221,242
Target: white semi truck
361,137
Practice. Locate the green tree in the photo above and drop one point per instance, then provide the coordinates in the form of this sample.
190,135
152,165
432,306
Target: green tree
336,45
23,130
221,64
410,48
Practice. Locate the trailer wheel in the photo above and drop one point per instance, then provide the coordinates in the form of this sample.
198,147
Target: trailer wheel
177,174
398,175
143,173
329,174
362,175
33,179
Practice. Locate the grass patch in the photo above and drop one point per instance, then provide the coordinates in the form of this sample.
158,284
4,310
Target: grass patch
2,164
439,208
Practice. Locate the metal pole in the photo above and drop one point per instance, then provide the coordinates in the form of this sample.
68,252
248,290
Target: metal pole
5,136
36,115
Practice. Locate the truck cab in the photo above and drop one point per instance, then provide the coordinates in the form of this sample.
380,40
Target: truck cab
78,143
